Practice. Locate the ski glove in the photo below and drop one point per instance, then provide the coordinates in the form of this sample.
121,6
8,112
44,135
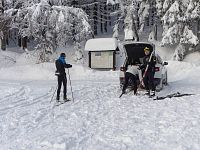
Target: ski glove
68,66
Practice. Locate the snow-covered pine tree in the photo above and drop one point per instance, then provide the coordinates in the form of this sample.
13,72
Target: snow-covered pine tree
159,7
154,17
116,31
78,54
52,25
143,13
130,29
133,15
178,29
99,14
194,13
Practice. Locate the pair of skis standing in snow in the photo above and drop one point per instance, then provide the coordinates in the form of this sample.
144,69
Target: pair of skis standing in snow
135,69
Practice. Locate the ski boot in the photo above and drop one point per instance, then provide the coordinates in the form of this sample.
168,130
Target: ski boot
153,94
57,99
147,93
65,99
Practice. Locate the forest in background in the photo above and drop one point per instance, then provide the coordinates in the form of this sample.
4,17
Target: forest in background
51,24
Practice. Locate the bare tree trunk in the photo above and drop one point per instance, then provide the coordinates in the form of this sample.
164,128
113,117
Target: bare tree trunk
105,17
101,17
54,45
3,42
198,29
135,31
155,28
95,18
19,41
24,43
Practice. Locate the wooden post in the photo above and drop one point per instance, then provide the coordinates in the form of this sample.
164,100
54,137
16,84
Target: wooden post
114,60
89,63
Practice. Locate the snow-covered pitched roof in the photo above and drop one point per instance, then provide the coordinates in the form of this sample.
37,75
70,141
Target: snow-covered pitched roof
101,44
112,2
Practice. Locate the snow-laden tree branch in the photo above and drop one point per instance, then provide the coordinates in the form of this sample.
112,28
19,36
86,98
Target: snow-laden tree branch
52,25
133,14
177,26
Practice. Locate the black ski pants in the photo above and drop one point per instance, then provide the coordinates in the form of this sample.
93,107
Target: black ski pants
149,81
133,78
62,79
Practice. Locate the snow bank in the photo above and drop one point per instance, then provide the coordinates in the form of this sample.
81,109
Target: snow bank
183,71
7,58
46,71
26,69
27,58
28,72
166,52
193,58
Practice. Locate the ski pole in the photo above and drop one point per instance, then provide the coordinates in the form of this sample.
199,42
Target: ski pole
70,85
53,93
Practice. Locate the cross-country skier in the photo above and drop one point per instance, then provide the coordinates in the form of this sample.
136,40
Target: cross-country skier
60,72
133,72
148,79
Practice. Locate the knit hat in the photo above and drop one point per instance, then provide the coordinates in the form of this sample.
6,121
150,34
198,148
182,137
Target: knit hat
146,49
62,55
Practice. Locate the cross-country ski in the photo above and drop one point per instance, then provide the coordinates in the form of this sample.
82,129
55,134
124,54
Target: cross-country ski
177,94
62,102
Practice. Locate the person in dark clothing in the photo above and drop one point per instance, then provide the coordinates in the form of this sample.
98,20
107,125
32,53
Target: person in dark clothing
60,72
132,73
148,79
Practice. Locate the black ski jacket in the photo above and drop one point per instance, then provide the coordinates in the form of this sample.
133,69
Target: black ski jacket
152,63
60,67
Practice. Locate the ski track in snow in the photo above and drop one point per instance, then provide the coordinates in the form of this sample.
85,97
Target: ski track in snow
98,119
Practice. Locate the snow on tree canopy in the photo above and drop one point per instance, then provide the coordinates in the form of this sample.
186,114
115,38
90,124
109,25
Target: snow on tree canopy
53,24
177,27
61,17
188,37
190,6
166,4
101,44
170,36
196,12
172,14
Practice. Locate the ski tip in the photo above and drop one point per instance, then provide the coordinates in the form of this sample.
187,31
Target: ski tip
67,100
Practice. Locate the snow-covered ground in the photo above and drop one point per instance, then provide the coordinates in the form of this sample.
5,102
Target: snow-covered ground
97,119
